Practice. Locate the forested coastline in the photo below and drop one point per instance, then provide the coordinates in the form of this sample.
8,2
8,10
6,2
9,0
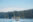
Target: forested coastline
22,14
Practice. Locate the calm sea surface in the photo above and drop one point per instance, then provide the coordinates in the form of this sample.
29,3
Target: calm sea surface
21,20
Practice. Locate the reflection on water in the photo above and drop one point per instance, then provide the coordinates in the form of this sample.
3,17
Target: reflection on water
21,20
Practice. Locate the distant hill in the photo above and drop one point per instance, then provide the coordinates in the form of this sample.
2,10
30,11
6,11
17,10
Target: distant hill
22,14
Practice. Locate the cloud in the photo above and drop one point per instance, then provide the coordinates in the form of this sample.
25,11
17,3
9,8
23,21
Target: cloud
12,9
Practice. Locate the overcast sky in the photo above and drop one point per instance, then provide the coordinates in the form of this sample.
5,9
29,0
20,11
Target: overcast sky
11,5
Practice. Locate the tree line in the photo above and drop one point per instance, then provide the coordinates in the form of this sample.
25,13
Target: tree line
22,14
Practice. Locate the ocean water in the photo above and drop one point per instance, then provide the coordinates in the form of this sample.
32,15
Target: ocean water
21,20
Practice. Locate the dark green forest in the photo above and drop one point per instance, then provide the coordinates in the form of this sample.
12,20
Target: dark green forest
22,14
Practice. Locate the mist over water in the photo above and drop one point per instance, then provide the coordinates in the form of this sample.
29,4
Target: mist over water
21,20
